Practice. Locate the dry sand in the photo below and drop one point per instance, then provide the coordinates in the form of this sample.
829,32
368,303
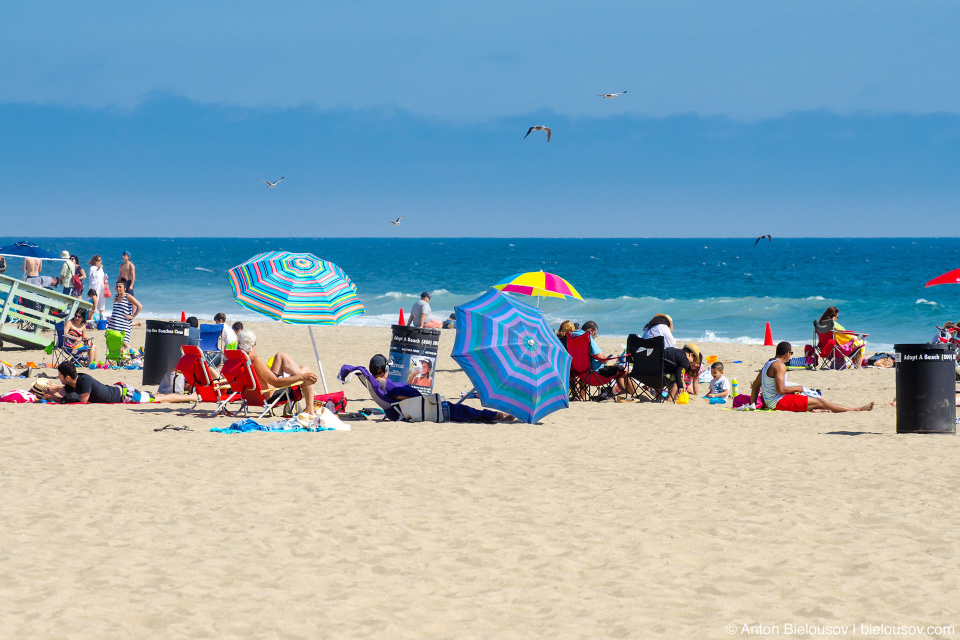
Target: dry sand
606,520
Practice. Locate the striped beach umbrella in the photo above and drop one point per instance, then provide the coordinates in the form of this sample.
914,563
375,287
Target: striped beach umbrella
539,284
296,288
512,357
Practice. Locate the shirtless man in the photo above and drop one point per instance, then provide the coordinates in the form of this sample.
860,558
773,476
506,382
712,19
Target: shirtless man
779,395
127,272
31,270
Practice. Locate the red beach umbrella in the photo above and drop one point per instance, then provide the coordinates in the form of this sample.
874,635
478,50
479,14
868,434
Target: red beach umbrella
950,277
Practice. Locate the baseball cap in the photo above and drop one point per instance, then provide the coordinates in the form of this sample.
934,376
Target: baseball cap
377,362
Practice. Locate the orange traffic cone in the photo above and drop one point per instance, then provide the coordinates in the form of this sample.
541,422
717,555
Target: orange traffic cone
183,316
402,323
768,337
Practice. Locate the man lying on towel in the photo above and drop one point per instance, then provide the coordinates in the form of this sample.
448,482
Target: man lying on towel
782,396
83,388
389,392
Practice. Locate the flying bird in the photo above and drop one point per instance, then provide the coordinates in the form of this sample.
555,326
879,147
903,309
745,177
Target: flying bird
396,222
269,184
610,95
539,127
769,239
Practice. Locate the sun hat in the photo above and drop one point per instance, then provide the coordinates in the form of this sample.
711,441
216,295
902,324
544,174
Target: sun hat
40,385
65,254
692,348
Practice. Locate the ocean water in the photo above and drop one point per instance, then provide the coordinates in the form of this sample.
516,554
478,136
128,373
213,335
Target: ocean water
722,290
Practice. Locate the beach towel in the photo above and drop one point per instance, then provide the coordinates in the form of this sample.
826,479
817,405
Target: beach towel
290,425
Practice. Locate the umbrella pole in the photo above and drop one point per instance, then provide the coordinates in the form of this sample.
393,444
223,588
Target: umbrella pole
319,366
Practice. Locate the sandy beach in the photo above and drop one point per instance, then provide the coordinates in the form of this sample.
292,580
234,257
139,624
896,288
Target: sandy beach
605,520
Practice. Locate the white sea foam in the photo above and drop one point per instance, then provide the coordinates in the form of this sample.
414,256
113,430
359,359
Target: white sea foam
929,302
203,269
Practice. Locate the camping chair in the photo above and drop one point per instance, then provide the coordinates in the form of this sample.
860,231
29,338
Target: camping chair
115,351
238,371
647,371
205,381
210,343
829,352
376,393
582,376
62,353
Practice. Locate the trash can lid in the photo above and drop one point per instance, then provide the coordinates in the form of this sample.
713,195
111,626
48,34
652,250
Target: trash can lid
924,346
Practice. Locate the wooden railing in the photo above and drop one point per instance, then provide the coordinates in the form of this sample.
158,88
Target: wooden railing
29,309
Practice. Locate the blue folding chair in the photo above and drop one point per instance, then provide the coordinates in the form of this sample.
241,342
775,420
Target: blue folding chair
210,343
61,353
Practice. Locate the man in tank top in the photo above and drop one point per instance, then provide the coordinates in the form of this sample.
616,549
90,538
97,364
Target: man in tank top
778,394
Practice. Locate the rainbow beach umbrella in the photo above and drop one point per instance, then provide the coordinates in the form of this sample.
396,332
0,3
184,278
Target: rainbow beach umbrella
296,288
540,284
512,357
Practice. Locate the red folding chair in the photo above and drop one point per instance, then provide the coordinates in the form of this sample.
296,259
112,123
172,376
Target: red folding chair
582,376
238,371
829,353
205,380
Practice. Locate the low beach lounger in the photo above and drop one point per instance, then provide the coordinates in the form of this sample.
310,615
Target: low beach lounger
205,380
238,371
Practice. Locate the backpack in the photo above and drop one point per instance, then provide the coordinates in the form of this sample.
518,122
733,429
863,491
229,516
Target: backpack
76,282
172,382
430,408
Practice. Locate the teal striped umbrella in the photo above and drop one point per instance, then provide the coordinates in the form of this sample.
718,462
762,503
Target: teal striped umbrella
512,357
296,288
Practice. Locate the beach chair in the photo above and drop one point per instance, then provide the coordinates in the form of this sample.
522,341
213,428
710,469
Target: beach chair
238,372
115,351
205,381
62,353
828,352
585,383
210,343
645,356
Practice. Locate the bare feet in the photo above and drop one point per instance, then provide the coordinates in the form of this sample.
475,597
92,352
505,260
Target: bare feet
503,417
866,407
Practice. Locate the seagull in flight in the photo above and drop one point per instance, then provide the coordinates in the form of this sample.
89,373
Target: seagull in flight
769,239
610,95
396,222
539,127
269,184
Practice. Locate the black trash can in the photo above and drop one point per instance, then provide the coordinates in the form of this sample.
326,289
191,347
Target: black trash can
161,348
926,388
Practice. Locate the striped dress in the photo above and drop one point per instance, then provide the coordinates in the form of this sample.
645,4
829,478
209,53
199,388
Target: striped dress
118,317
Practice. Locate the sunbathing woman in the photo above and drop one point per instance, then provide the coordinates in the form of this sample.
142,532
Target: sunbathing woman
282,365
75,336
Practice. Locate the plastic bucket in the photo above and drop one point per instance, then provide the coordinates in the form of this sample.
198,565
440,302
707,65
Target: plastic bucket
926,388
161,348
102,325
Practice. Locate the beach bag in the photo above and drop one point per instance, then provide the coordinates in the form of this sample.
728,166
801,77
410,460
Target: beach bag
429,408
336,401
172,382
18,396
76,282
5,369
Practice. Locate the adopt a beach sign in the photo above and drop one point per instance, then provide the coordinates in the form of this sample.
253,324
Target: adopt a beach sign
413,356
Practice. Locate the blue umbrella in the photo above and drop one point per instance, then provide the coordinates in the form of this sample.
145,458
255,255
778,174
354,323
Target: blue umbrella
512,357
27,250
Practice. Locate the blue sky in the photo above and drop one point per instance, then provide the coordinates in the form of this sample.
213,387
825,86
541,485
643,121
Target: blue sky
740,117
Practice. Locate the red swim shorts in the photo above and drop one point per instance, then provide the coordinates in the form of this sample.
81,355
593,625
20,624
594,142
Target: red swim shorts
793,402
